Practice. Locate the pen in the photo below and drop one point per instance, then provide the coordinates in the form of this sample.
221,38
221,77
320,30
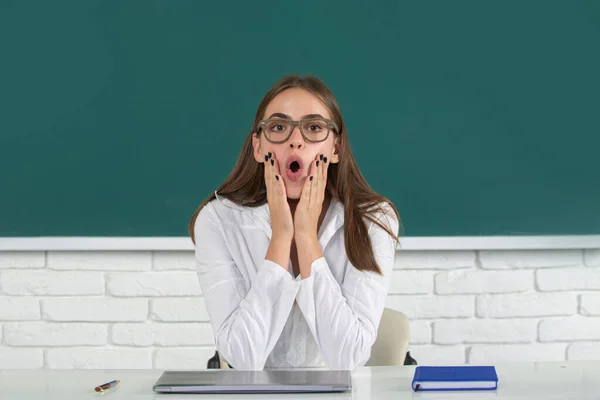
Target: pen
106,386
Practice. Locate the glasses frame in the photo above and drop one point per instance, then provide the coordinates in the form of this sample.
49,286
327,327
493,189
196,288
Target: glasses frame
330,125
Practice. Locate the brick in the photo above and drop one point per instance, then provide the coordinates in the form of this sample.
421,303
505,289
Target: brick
501,259
179,309
100,260
99,358
19,309
183,358
53,334
95,310
162,334
411,282
51,283
590,304
591,257
21,358
476,281
569,329
153,284
438,355
526,305
428,307
22,259
408,259
511,353
584,351
173,261
485,331
576,278
420,332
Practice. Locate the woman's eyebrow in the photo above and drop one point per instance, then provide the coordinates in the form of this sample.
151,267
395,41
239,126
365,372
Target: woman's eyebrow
281,115
313,116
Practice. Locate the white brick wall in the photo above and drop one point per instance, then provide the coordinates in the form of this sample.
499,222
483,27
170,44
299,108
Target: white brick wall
45,334
485,331
142,309
51,283
483,354
590,304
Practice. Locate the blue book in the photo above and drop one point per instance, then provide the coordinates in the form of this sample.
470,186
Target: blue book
464,377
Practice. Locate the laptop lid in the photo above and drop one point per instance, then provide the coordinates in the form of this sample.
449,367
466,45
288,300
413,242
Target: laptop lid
236,381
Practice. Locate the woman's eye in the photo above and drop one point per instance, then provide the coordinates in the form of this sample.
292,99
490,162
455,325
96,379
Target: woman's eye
277,127
315,127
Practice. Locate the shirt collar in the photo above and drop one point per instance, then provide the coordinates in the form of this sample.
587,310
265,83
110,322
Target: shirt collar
334,218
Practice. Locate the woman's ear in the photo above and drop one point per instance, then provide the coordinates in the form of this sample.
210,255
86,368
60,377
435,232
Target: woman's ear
258,155
335,156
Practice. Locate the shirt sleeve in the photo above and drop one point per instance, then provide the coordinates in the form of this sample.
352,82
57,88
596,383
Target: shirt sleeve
344,319
247,321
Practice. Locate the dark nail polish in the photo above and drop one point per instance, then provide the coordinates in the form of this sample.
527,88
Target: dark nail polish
325,160
317,163
277,177
311,178
270,154
321,157
272,162
266,158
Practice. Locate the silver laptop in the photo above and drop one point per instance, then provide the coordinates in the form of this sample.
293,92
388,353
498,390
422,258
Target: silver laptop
236,381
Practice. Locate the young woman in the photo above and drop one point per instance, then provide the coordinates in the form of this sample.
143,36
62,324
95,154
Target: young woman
294,250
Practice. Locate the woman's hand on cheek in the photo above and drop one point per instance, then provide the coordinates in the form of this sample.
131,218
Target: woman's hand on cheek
282,224
308,210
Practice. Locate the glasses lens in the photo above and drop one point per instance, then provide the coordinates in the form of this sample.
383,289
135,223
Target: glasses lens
277,129
315,129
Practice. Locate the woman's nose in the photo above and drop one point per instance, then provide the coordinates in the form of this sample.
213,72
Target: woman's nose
296,141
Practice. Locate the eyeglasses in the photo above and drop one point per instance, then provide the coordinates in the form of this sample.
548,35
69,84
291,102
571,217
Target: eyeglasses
279,130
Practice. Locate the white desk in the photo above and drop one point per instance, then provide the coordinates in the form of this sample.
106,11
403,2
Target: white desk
564,380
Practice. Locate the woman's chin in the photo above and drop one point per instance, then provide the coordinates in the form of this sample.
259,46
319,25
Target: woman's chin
293,189
294,196
293,193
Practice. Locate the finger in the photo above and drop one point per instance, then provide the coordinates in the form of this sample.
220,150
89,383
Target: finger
314,195
311,179
324,171
277,179
268,175
305,196
266,171
318,182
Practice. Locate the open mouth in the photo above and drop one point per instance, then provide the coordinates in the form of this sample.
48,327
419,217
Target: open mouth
294,169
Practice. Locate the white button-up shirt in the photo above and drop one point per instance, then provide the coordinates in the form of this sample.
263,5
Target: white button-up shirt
263,317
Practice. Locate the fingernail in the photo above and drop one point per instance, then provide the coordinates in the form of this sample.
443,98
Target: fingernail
266,158
311,178
317,163
325,160
272,162
277,177
321,157
270,154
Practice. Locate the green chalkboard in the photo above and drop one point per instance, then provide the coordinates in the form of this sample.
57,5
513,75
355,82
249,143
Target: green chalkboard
474,117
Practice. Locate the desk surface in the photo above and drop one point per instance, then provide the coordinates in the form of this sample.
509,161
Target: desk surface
556,380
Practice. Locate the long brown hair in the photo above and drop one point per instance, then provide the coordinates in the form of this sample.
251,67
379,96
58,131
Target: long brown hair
245,184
